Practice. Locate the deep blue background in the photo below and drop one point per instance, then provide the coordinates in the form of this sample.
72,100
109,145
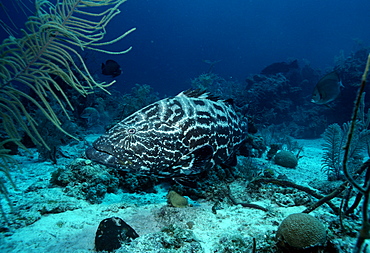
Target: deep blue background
173,37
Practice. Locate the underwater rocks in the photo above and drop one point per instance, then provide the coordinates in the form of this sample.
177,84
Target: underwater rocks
85,180
112,233
282,197
253,146
286,159
280,67
325,186
176,200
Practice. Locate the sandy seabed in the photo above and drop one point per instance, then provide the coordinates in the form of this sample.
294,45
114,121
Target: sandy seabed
74,230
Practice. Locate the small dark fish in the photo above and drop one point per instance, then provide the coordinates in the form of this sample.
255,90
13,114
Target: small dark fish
111,68
327,89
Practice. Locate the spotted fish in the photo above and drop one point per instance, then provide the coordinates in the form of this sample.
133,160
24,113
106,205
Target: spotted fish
174,137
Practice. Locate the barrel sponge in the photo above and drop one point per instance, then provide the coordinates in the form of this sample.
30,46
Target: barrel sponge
301,230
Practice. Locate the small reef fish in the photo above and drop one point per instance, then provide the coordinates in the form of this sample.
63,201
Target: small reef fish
173,137
327,89
111,68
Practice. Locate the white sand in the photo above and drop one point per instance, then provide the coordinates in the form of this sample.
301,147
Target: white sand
74,231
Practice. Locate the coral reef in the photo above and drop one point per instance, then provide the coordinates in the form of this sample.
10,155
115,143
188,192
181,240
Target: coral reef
253,146
82,179
53,139
279,138
283,99
351,67
220,87
301,231
141,95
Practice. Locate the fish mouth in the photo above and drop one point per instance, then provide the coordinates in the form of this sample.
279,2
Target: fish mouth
100,156
105,158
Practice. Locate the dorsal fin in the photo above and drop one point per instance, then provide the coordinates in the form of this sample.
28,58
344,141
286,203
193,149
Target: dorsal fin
229,101
194,93
199,93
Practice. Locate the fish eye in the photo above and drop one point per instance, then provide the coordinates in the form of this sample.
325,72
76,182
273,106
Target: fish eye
131,130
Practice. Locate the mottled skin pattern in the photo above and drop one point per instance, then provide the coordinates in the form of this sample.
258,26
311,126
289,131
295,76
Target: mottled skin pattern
178,136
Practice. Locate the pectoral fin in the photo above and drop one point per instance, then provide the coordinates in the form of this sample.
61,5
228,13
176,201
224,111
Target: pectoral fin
195,161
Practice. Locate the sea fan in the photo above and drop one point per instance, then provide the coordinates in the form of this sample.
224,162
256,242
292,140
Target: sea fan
47,48
332,158
335,137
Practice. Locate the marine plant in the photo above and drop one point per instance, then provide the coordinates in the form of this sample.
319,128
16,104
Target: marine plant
48,48
335,137
364,232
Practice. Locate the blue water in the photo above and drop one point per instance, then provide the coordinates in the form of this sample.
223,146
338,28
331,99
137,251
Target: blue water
173,40
174,37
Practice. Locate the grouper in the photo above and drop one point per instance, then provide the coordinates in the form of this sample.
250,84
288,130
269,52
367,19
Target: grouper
173,137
